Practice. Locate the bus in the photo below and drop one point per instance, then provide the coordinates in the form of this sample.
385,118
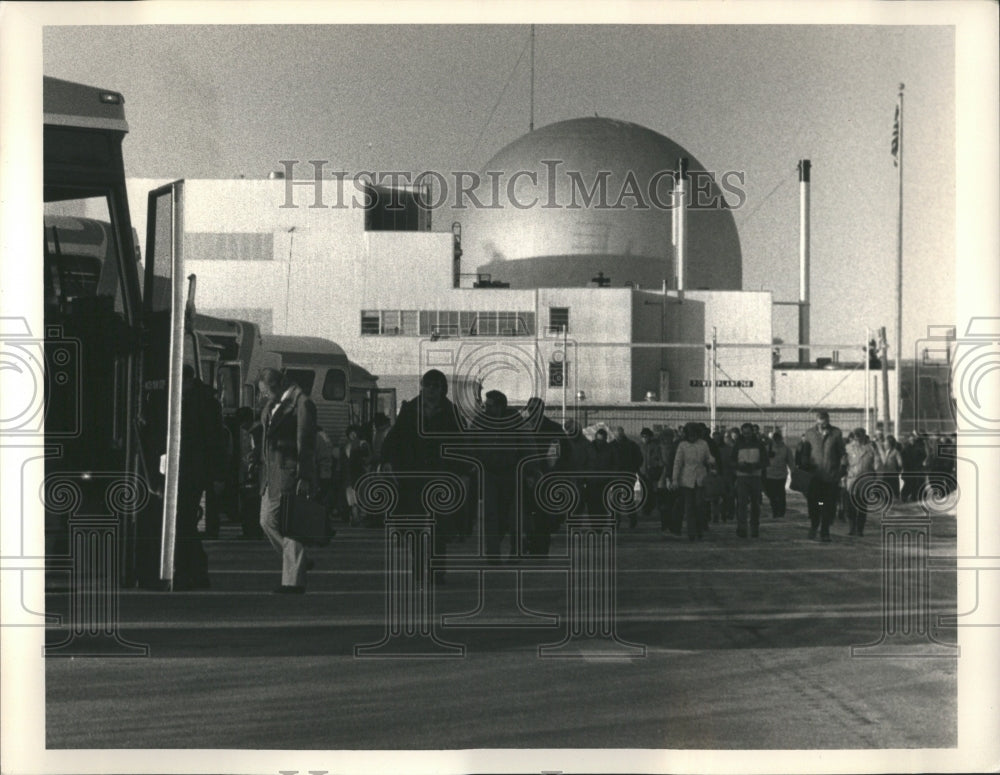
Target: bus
344,392
113,348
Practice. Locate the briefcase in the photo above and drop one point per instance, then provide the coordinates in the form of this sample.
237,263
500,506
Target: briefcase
304,520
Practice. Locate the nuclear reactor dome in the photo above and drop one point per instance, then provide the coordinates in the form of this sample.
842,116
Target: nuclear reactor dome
588,195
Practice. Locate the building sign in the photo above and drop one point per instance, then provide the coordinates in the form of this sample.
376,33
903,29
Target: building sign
736,383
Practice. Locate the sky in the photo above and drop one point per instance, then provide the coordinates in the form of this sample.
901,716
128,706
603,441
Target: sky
224,101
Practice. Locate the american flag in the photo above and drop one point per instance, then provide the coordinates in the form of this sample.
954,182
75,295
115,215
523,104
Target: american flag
895,139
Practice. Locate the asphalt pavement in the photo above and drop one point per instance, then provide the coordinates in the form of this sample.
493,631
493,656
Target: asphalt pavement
726,643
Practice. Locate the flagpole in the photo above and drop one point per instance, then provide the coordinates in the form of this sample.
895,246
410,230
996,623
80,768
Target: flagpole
899,269
531,119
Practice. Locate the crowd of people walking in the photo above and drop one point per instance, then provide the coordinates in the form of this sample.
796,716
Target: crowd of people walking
693,479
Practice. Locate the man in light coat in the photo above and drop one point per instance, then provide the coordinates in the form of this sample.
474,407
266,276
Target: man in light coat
822,452
287,468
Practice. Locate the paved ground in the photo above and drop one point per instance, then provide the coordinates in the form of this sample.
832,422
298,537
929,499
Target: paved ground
747,645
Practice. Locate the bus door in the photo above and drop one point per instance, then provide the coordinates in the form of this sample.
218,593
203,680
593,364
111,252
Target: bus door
163,361
229,383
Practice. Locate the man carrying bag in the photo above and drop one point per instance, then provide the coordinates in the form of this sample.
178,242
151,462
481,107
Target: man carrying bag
287,471
304,519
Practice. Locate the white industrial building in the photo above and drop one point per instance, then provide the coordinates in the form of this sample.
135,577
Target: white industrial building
393,291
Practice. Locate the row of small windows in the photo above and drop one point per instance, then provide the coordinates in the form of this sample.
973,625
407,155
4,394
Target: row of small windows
455,323
446,323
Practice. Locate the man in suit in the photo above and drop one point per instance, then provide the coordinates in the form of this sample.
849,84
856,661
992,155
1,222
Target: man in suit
287,468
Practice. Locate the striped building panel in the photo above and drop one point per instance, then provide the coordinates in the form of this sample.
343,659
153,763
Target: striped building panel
238,246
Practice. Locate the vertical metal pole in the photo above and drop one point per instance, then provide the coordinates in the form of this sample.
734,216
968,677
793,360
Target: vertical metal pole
288,277
531,118
565,374
868,365
713,388
680,220
884,356
875,400
898,355
804,174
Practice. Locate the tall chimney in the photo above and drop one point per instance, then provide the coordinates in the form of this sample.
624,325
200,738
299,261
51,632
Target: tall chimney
680,224
456,253
804,167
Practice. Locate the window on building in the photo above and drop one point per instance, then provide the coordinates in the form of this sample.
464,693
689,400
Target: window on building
408,322
395,209
335,385
370,322
556,373
304,378
444,323
559,319
390,322
486,325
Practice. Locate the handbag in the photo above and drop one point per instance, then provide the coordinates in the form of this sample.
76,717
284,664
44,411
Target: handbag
304,520
637,490
801,479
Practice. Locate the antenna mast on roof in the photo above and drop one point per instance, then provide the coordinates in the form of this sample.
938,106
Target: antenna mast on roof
531,117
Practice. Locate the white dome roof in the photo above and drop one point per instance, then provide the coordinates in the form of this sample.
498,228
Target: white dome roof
538,228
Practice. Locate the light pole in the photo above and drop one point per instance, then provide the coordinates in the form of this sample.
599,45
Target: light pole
713,388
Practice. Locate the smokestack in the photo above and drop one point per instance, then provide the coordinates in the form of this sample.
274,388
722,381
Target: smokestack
804,167
456,261
680,224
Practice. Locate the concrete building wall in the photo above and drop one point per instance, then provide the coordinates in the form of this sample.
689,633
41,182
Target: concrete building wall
738,317
318,269
233,206
597,315
405,267
745,318
648,325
